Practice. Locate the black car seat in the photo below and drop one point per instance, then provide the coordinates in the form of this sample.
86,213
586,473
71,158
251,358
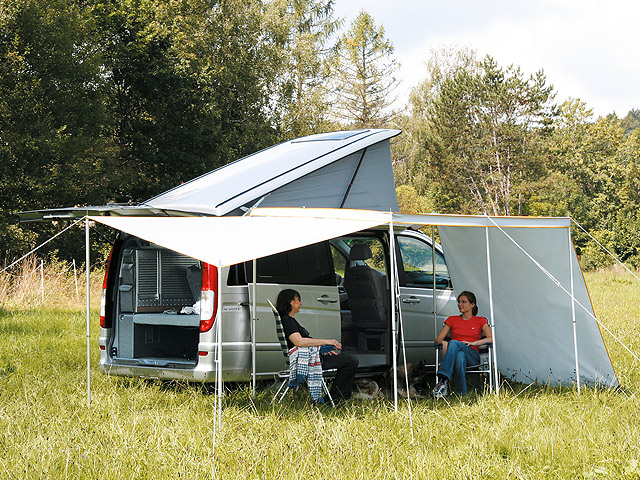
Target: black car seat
368,299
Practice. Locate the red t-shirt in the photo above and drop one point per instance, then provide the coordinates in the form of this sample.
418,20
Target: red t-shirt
466,330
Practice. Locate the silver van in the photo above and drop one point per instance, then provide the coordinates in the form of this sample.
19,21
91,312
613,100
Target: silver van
149,328
159,307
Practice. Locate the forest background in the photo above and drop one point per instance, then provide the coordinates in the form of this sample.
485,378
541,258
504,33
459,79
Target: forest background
119,100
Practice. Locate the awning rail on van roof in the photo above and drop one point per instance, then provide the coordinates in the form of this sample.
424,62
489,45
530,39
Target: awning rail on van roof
115,210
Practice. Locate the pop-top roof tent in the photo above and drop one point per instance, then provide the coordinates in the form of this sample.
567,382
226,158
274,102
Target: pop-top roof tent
348,169
523,270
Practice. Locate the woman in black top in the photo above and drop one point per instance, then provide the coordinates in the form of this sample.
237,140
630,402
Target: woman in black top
288,304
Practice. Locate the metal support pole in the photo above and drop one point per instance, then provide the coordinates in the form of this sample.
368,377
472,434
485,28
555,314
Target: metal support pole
88,295
392,290
573,312
42,279
253,330
219,334
75,277
435,303
493,324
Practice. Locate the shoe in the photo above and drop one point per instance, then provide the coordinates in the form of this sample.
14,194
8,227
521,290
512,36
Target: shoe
440,390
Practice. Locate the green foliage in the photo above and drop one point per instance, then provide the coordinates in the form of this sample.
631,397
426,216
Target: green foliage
410,201
484,125
121,100
489,139
631,122
365,74
307,66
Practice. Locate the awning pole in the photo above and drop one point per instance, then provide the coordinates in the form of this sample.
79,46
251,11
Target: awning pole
493,325
253,330
573,312
88,306
392,290
219,333
435,303
396,289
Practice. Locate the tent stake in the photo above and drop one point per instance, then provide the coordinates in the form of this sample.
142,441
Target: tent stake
493,324
88,295
573,311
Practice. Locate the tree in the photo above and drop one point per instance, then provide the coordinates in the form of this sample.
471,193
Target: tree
483,134
50,112
185,83
596,163
365,74
119,100
310,25
631,122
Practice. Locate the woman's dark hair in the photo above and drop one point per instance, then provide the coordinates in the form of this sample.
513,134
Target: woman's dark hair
472,298
285,297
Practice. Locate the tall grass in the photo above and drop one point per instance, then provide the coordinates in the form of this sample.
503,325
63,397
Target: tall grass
151,430
52,283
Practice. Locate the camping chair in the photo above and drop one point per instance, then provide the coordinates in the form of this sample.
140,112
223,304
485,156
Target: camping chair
485,367
283,375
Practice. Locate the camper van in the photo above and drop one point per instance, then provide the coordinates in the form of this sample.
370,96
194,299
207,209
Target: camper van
159,307
150,328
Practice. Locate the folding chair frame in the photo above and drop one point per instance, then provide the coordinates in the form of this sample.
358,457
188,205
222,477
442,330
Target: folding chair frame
284,374
485,367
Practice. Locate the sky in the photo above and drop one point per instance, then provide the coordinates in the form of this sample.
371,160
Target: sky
588,49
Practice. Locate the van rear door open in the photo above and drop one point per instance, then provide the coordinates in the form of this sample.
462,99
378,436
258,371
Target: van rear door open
308,270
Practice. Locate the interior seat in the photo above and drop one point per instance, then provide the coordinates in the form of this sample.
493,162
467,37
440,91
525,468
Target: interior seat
368,295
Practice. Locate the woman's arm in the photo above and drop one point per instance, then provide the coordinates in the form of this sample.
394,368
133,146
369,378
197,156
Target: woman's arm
300,341
443,334
440,339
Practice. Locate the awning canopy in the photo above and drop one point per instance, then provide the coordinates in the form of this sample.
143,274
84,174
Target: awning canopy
532,264
224,241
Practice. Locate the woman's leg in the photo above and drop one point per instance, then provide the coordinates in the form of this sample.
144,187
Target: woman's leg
465,356
447,365
346,364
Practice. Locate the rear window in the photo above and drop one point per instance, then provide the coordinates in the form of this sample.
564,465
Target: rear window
310,265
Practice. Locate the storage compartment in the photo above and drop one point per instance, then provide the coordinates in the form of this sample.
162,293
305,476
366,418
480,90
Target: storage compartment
154,285
165,341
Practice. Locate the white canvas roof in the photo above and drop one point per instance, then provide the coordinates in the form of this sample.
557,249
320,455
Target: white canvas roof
348,169
531,286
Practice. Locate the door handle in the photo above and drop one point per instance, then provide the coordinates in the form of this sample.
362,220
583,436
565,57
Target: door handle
411,300
326,299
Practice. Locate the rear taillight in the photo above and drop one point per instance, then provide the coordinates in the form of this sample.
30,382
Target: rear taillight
103,298
208,301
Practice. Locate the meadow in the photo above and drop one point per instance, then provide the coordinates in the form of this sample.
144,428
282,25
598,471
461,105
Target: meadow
142,429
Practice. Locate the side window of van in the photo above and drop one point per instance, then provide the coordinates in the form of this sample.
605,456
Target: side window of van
310,265
417,264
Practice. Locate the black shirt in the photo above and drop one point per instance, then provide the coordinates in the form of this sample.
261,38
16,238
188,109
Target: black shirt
290,326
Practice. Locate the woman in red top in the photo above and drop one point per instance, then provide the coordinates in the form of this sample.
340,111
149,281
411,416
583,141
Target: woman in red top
466,332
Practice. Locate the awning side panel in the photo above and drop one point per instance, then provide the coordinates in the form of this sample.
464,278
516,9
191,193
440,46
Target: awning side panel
532,315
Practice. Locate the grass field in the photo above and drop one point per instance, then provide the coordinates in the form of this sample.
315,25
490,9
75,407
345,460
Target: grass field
147,430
